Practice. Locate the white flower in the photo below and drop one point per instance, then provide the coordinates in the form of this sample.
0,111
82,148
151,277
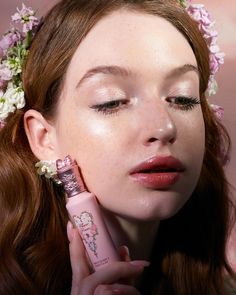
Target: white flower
15,96
46,168
14,64
5,72
5,107
212,86
11,100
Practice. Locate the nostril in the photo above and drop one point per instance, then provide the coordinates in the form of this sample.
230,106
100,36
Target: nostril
152,139
172,140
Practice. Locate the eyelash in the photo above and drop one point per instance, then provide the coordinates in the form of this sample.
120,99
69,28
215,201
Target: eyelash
110,107
183,103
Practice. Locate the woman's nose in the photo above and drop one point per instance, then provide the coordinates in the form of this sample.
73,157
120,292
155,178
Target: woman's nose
159,126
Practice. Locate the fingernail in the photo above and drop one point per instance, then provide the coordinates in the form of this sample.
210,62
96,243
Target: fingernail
140,263
70,232
124,253
127,251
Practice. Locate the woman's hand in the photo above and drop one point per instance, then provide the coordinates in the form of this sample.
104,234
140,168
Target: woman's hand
111,279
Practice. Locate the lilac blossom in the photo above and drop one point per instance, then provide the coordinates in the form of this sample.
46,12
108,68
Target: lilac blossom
218,111
30,25
25,15
22,14
216,59
9,40
13,51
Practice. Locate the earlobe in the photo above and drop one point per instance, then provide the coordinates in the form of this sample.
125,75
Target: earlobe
41,135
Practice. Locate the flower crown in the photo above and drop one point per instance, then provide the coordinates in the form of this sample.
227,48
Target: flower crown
14,48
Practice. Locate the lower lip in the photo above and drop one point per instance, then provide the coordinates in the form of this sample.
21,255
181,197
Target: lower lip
161,180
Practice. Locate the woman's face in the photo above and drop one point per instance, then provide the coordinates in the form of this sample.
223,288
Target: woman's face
131,98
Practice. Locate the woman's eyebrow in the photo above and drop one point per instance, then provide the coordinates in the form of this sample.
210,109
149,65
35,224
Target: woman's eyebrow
125,72
106,70
182,70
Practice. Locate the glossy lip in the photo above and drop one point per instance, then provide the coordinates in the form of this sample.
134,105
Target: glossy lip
158,172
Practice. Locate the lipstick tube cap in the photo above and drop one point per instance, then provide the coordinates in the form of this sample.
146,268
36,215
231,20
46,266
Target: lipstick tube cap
69,175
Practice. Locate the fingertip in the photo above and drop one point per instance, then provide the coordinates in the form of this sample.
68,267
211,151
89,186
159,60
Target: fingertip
70,231
140,263
124,253
126,249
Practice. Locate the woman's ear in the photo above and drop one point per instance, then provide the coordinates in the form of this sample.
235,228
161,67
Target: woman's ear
41,135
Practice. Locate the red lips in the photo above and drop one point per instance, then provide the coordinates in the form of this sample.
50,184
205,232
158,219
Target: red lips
158,172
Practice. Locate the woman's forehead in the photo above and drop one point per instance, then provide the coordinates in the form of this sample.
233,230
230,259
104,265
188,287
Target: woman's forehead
132,40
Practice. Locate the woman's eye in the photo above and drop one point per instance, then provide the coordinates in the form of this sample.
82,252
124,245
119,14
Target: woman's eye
110,107
184,103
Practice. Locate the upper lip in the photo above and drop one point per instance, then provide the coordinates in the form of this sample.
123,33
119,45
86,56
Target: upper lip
159,164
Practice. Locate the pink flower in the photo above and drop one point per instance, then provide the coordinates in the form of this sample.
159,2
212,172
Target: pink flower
209,34
9,40
26,17
2,124
216,58
206,26
200,14
214,65
218,111
22,14
31,24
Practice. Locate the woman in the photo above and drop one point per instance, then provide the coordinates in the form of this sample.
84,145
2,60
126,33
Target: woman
120,86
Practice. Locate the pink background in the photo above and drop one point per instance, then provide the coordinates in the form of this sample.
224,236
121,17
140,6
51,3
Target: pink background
224,12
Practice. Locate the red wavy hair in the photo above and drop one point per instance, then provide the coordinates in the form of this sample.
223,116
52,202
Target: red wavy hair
189,253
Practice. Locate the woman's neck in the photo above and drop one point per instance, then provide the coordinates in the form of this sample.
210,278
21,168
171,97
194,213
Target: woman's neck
138,236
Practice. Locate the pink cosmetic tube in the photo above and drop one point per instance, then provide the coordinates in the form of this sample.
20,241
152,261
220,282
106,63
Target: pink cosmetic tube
86,215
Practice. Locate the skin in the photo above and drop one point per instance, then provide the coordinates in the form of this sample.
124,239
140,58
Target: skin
109,143
108,146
